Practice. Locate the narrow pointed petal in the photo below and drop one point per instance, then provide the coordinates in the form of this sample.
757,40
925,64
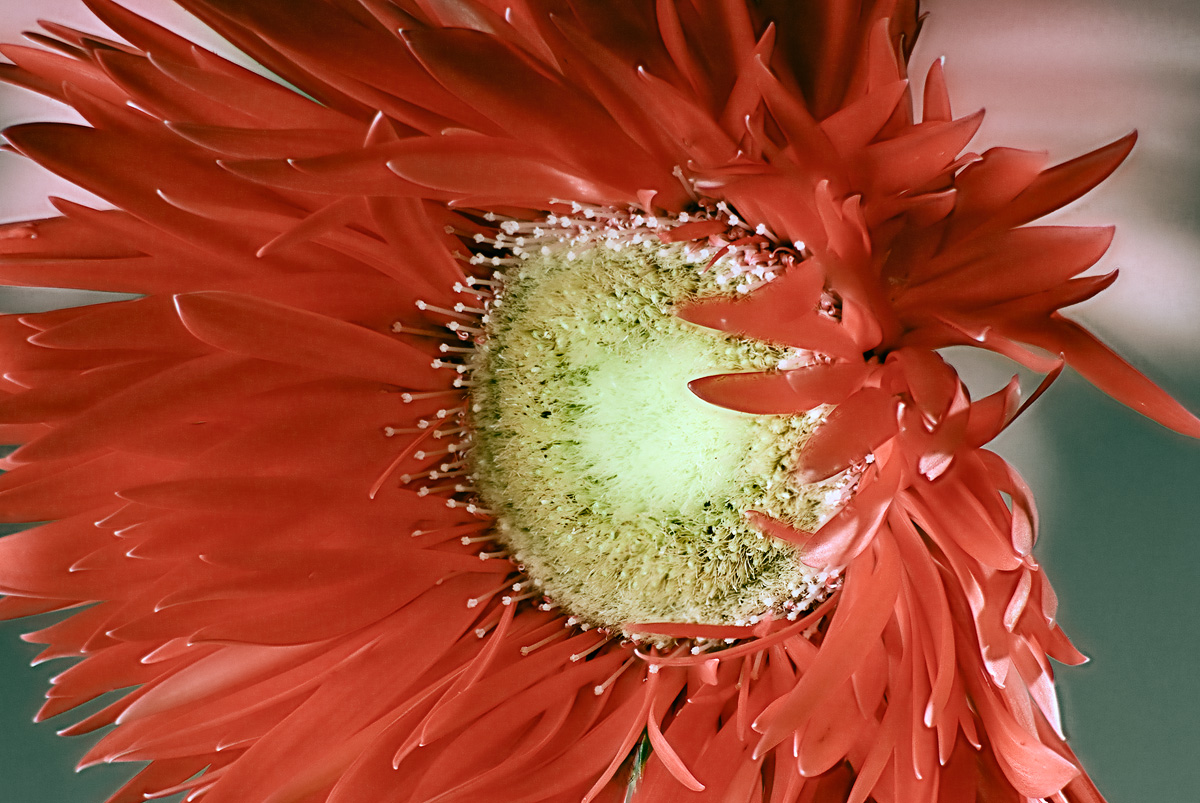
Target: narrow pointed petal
782,392
244,325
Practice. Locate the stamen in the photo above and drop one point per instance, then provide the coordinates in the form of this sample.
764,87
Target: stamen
459,329
402,329
688,185
579,656
450,532
485,626
538,645
422,455
391,432
457,488
603,687
473,602
449,313
462,288
508,599
400,458
409,398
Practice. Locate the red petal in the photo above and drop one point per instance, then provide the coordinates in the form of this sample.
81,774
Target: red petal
868,597
532,105
989,184
1034,770
1064,183
916,158
853,430
936,106
853,127
1006,266
782,311
518,173
268,331
782,392
1101,366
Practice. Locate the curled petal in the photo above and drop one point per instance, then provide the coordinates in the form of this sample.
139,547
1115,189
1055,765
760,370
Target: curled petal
782,392
852,431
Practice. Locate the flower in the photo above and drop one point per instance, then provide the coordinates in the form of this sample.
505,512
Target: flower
290,486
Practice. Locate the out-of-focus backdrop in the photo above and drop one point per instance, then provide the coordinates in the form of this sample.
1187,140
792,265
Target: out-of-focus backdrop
1118,495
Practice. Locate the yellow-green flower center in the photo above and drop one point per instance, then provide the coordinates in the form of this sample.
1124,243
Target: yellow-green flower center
620,492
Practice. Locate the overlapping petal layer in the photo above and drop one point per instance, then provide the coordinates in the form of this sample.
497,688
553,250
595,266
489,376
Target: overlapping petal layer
233,461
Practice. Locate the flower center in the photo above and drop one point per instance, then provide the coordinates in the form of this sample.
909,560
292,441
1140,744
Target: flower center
620,492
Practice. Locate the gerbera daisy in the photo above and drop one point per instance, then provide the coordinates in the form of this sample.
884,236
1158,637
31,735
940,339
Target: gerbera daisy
543,403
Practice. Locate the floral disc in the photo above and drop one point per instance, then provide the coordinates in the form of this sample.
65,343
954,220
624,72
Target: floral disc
622,493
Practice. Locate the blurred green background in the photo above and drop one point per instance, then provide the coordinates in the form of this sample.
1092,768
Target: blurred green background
1118,495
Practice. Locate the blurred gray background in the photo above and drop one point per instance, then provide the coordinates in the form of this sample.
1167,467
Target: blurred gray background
1117,493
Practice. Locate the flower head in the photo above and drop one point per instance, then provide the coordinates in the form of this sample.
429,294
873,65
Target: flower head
543,400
